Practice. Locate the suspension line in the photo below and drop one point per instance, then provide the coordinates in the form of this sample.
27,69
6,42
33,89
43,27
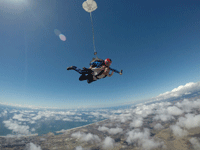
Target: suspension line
95,53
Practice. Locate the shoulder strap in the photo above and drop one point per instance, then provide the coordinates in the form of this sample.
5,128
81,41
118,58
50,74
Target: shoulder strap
97,63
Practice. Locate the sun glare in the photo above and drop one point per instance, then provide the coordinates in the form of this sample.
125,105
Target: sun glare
11,3
14,6
17,1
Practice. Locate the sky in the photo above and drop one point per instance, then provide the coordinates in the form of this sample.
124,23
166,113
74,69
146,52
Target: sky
155,43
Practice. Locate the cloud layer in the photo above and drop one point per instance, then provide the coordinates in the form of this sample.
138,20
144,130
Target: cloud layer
142,139
131,123
186,89
86,137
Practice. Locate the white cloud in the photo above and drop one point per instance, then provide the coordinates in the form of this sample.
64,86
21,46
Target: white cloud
189,121
195,143
77,135
26,106
163,117
32,146
13,111
162,112
142,139
144,110
117,111
108,143
4,113
58,118
180,91
96,114
67,119
174,111
158,126
100,114
177,131
137,122
135,135
115,130
78,118
91,137
122,117
19,117
66,113
15,127
58,115
37,117
79,148
188,106
86,137
32,115
149,144
105,115
111,130
33,130
32,122
103,128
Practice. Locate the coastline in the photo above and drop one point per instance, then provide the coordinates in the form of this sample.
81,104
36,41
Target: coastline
63,131
13,136
57,132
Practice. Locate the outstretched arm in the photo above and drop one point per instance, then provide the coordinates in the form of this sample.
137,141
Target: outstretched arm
106,72
120,72
111,74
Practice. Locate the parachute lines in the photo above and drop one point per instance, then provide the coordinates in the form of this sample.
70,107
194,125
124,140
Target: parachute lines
95,53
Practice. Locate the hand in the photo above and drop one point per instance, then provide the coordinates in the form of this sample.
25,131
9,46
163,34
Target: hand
103,67
111,73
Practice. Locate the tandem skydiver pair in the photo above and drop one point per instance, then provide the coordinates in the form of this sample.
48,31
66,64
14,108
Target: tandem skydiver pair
98,69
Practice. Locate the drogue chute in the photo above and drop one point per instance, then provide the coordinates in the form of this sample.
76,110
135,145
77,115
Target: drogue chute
89,5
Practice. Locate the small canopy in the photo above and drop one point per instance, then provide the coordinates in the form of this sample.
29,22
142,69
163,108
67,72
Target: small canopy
89,5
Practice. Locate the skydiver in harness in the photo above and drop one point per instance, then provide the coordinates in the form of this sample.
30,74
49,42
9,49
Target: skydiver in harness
98,69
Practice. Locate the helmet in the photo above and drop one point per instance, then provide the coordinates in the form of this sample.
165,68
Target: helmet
108,60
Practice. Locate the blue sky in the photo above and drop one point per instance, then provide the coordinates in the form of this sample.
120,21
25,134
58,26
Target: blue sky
156,44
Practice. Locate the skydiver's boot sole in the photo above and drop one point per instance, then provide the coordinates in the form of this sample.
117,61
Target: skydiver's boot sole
71,68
